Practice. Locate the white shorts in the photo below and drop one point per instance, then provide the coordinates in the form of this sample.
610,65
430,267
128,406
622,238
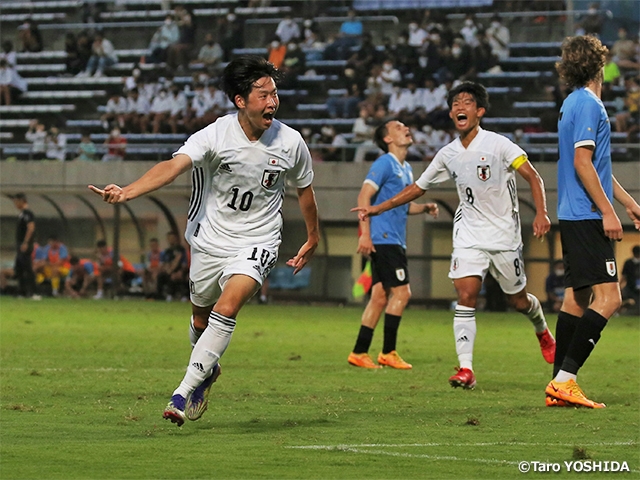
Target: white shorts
506,267
208,274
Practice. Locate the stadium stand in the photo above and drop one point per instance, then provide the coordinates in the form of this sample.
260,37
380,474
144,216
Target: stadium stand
519,85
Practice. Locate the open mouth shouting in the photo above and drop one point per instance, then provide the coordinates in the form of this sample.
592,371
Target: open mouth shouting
268,117
462,121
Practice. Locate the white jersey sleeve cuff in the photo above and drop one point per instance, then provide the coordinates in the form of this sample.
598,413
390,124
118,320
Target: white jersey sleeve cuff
584,143
372,183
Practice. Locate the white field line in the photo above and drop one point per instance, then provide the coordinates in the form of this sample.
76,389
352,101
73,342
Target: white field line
367,448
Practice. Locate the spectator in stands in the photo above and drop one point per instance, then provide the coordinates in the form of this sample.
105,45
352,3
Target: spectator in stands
5,83
103,56
351,31
499,38
430,61
30,37
115,112
86,149
405,56
389,76
363,131
160,110
179,53
333,142
288,30
9,54
82,274
37,136
166,35
116,146
56,145
470,29
407,104
610,74
72,61
84,46
276,52
630,281
459,60
137,110
210,55
625,51
171,279
362,60
104,275
52,263
179,108
417,36
231,34
483,57
395,105
310,33
294,64
592,22
345,105
627,121
152,267
554,286
197,110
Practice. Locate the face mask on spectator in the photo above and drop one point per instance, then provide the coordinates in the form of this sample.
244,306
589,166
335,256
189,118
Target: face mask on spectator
308,23
456,51
115,133
559,272
387,67
275,44
231,17
592,11
292,47
434,37
468,22
413,27
168,21
327,131
495,24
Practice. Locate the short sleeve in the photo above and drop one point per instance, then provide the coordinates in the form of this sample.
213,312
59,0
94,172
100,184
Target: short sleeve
301,175
29,216
199,146
587,117
378,173
511,155
435,173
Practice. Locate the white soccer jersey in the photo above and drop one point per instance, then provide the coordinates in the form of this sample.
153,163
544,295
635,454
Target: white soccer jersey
238,185
488,214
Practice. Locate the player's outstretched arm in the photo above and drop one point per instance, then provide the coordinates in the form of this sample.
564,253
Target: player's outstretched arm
309,209
418,208
159,175
407,195
629,203
541,224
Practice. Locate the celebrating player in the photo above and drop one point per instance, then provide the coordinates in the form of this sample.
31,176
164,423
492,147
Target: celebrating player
384,239
238,167
588,222
486,225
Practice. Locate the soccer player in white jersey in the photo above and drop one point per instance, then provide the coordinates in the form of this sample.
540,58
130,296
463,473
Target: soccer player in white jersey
238,165
486,225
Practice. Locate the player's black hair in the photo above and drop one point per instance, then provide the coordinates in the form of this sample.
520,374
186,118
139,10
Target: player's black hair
74,260
379,134
477,91
101,243
242,72
636,251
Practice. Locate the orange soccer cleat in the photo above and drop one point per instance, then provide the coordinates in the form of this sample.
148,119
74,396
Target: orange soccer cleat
570,392
393,360
362,360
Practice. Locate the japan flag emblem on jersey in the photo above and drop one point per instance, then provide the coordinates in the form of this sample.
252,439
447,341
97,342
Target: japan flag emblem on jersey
273,161
611,267
270,178
484,172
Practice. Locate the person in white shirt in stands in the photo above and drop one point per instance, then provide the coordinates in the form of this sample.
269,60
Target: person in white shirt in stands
486,226
239,167
198,109
388,77
160,110
288,29
178,109
103,55
115,111
417,35
37,136
499,38
56,145
137,108
469,30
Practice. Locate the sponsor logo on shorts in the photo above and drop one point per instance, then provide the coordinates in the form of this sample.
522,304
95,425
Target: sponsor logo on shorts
611,267
400,275
454,264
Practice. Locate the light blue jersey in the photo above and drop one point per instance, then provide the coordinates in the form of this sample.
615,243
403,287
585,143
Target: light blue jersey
389,177
583,122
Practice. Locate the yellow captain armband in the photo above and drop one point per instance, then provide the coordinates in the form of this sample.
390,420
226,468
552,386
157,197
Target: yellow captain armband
518,162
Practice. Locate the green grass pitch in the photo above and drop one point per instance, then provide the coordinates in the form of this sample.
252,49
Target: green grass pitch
84,383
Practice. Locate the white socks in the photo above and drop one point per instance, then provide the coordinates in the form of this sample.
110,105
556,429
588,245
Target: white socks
536,315
464,331
563,376
194,333
206,352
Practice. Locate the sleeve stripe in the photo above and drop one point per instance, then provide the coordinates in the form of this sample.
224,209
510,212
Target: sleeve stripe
372,183
584,143
518,162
